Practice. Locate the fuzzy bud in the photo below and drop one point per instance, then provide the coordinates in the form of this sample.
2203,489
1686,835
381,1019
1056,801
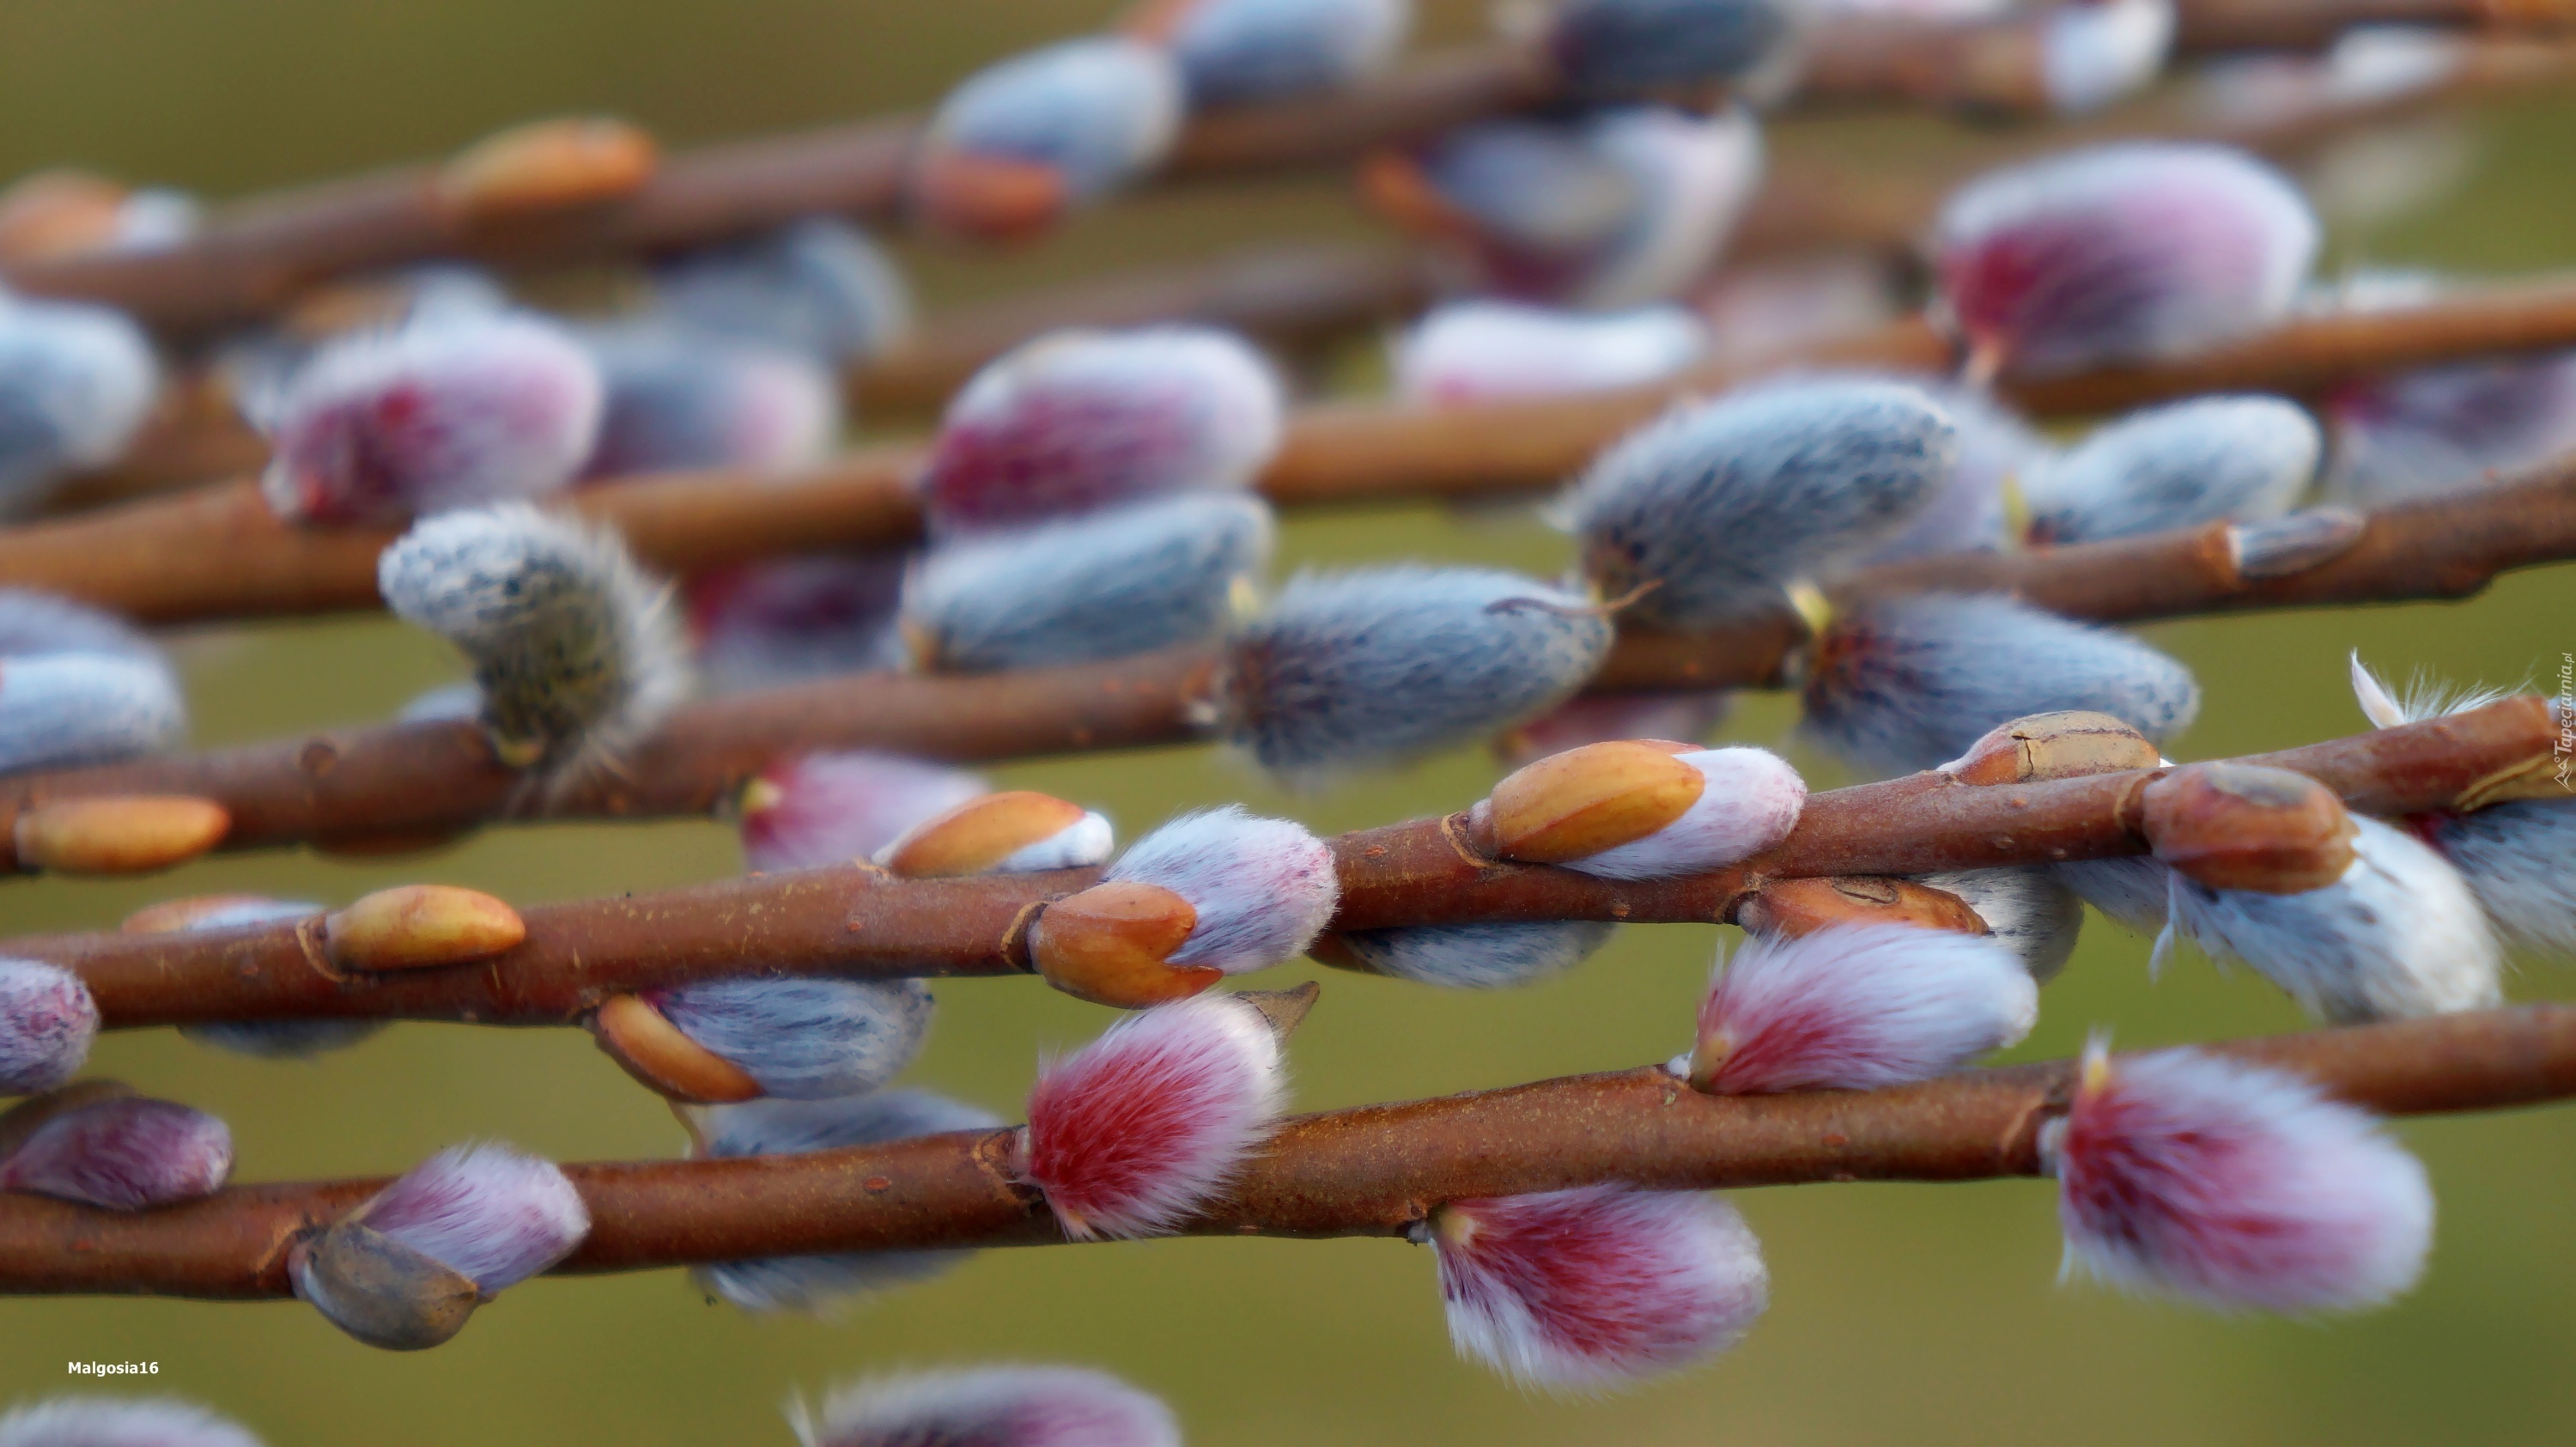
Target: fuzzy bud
1024,141
450,411
1012,832
119,1422
819,286
819,809
65,709
1750,801
789,620
2121,253
2094,52
2400,935
1856,1007
1972,511
76,383
1379,665
1616,210
1129,1133
1484,351
1719,507
1598,1286
573,648
2028,911
2514,856
406,1269
2237,459
796,1038
677,400
2233,1185
992,1407
792,1127
47,1021
1210,893
1906,683
2442,431
1076,421
1118,583
114,1150
1235,52
1607,49
1482,956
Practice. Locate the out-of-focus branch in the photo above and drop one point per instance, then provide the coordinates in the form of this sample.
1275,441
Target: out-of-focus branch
861,921
218,552
1371,1171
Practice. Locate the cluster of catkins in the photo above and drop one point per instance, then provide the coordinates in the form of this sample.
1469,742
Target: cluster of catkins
1088,497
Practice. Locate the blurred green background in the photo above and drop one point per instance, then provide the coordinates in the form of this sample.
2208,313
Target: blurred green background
1912,1314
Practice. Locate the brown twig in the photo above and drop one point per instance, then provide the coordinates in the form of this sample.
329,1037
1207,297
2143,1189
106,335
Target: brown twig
430,780
1371,1171
218,552
2206,26
860,921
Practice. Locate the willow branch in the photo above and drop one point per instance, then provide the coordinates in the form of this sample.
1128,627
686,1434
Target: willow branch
1372,1171
2205,26
427,781
219,552
859,921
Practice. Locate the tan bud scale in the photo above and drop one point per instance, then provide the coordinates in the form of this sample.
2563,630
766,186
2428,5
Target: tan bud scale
1110,944
119,834
546,166
382,1292
1790,908
2054,746
419,926
658,1054
1578,803
980,833
2241,826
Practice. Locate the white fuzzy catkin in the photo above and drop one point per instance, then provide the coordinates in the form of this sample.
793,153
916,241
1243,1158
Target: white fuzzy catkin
1110,585
2030,912
76,383
2399,936
573,648
820,286
1484,350
2240,459
1695,176
1098,110
64,710
89,1421
1008,1406
805,1038
1236,51
1905,683
1263,888
1379,665
2095,53
1488,955
1720,506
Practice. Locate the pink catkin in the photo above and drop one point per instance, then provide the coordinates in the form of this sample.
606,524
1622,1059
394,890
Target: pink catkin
1597,1286
487,1212
1858,1007
834,808
126,1154
1130,1132
2235,1186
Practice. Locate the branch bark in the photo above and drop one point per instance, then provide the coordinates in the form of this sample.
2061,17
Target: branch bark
435,779
859,921
1372,1171
219,552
